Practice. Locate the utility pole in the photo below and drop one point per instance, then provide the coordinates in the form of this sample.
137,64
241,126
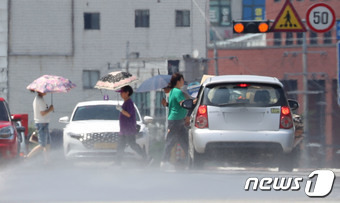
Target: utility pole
127,56
215,58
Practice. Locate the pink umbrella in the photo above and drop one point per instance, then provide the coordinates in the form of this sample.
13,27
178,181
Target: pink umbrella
51,84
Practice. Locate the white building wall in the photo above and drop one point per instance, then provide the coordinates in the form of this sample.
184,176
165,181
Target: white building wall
3,48
37,23
45,40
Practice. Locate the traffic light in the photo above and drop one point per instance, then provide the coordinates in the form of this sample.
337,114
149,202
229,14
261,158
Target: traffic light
251,26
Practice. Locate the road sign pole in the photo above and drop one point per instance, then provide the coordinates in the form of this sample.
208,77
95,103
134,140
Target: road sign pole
305,101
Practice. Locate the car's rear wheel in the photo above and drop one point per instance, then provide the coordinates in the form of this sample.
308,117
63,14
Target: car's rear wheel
197,160
289,161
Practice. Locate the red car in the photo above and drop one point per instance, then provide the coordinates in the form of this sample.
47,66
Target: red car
9,141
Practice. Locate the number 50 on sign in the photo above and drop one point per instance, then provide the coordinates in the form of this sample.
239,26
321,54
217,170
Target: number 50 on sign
320,17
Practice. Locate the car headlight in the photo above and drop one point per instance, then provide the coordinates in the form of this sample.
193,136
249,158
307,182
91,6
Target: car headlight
6,132
75,135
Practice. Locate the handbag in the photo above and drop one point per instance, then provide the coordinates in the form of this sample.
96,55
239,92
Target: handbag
34,137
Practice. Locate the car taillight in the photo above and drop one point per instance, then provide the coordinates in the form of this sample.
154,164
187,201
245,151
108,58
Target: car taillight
243,85
202,117
286,120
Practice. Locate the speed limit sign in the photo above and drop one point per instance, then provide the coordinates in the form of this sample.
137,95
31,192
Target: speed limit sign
320,17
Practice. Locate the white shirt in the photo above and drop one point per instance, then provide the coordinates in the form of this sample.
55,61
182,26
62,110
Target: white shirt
38,106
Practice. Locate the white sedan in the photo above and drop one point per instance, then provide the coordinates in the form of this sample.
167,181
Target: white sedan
92,131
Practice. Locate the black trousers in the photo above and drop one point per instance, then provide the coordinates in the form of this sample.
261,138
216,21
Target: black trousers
131,141
177,133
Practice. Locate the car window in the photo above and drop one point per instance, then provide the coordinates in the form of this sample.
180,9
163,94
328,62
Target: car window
97,112
246,94
3,112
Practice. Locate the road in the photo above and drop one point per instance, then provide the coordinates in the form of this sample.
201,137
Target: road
102,181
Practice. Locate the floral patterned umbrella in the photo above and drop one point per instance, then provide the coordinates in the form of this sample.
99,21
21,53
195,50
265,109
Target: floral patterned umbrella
51,84
115,80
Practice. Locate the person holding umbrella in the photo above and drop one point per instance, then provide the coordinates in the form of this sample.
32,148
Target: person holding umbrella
128,125
42,85
41,119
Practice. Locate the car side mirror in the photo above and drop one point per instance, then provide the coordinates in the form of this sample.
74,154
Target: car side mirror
15,118
64,119
293,104
21,129
188,104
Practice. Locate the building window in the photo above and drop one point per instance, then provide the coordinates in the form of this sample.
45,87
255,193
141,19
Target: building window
299,36
160,111
142,18
220,13
327,37
316,110
173,66
289,38
91,21
290,86
183,18
313,37
90,78
254,9
277,38
142,101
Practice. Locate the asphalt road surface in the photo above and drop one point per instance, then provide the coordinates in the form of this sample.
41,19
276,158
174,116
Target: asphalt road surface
103,181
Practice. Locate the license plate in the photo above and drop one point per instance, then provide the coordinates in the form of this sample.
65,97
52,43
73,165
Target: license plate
105,145
245,117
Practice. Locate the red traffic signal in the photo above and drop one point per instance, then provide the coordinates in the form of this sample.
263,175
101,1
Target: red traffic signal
241,27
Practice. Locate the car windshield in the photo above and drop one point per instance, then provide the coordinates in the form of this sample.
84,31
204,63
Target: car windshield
244,94
97,112
3,112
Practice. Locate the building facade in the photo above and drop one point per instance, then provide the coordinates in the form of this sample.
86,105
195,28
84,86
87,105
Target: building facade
85,39
280,56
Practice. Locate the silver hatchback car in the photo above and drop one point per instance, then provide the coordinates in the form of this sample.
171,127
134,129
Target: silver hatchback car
239,117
